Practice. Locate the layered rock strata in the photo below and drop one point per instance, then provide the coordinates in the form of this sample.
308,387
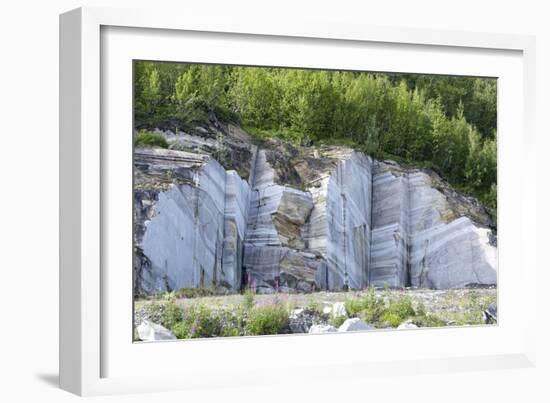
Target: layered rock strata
196,227
346,222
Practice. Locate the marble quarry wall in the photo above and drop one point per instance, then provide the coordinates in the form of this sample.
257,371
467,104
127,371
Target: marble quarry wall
356,222
194,231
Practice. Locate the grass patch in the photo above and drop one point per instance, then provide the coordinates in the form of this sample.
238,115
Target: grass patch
146,138
337,321
314,305
292,136
248,300
193,293
369,307
471,312
390,310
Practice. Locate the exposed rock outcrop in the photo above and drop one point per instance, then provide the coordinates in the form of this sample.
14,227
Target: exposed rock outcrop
195,230
420,237
149,331
314,218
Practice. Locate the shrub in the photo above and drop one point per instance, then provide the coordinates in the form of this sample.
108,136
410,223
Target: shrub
230,332
193,292
471,312
182,330
173,314
166,313
428,320
248,301
268,319
202,322
368,307
150,139
399,310
337,321
314,305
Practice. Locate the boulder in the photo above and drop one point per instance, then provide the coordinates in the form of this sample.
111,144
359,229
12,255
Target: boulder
149,331
338,309
490,315
301,320
322,329
407,325
354,325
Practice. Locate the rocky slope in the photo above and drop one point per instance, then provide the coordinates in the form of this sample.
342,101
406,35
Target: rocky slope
218,211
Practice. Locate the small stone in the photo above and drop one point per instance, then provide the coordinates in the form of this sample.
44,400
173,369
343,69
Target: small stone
407,325
296,313
149,331
339,309
490,315
322,329
353,325
300,320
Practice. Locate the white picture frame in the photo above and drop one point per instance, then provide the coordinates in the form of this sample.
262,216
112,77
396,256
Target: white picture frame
97,355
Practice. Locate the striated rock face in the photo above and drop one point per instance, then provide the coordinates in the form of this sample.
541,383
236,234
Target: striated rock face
237,203
275,234
390,233
195,230
322,218
348,216
419,237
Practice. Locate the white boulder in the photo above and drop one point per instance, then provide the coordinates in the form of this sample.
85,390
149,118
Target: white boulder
149,331
354,325
295,313
339,309
322,329
407,325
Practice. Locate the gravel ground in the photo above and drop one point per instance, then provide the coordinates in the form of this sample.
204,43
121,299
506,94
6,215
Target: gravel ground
456,306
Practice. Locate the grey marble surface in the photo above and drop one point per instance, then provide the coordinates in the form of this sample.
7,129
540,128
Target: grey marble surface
354,222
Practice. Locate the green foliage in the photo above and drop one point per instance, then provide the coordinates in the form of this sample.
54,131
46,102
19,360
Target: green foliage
337,321
369,307
446,122
193,292
452,146
472,311
428,320
147,87
201,321
166,312
389,310
172,314
150,139
248,301
182,330
253,95
268,319
477,95
314,305
398,310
